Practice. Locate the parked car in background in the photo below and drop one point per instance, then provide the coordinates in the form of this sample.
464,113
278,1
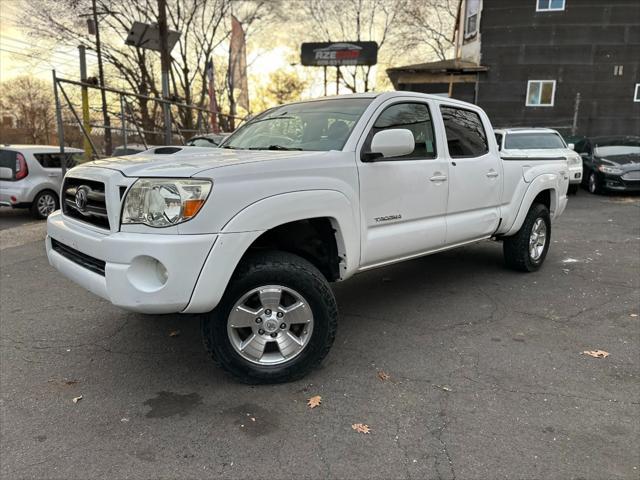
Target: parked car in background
31,175
207,140
540,143
611,163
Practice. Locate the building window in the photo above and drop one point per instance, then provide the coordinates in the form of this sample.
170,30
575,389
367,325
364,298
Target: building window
540,93
636,95
471,18
549,5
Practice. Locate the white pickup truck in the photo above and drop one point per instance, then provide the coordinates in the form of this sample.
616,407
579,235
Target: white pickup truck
251,234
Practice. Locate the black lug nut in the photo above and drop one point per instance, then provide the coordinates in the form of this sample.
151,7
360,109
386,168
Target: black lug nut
258,320
274,334
261,332
280,314
283,326
267,312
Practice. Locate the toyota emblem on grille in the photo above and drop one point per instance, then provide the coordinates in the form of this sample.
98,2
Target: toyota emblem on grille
81,197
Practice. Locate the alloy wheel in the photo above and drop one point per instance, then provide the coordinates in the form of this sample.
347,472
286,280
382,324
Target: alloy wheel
270,325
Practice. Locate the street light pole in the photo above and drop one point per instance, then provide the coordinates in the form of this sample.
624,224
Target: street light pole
165,62
108,147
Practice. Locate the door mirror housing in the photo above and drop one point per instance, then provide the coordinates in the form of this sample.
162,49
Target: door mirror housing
571,146
6,173
394,142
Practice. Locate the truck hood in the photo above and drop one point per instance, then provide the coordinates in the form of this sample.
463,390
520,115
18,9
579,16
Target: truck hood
188,161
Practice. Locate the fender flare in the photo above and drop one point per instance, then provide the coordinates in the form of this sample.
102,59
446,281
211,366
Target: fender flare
239,233
545,181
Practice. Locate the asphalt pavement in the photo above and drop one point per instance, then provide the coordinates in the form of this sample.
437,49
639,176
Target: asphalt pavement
487,378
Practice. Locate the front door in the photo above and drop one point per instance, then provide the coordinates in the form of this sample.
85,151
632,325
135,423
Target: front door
403,199
475,177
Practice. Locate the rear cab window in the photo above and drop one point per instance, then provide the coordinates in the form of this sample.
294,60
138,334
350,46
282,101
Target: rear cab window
465,133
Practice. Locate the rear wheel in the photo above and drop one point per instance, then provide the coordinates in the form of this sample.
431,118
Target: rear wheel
276,321
45,203
526,250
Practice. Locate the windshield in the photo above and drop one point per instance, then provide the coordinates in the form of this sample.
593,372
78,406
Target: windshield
321,125
533,141
629,146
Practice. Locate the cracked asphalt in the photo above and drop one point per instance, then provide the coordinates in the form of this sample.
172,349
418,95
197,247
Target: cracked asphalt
487,376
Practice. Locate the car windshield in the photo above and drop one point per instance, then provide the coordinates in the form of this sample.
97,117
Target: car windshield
321,125
522,141
617,147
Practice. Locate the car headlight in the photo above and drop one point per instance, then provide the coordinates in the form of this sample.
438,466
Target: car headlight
160,202
611,170
574,159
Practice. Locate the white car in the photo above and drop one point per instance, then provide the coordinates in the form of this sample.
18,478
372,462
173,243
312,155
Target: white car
250,235
31,176
540,143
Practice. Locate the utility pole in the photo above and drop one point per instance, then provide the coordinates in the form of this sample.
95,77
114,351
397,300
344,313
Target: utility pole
108,147
165,62
325,80
576,111
63,160
88,151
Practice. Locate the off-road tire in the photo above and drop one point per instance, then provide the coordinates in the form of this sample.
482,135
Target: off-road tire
516,247
267,268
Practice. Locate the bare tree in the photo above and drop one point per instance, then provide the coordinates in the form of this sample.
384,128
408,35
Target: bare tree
359,20
31,101
428,24
203,24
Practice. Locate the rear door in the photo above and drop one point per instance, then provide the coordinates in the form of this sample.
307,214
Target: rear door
403,199
475,175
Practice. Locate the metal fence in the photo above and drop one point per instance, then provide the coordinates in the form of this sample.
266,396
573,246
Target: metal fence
126,122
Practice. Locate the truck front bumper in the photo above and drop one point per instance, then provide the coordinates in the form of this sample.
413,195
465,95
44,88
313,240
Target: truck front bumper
148,273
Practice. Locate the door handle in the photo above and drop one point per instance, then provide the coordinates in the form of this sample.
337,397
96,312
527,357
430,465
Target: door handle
438,178
492,174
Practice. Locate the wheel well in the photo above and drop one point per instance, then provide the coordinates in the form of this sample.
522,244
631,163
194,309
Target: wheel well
544,197
313,239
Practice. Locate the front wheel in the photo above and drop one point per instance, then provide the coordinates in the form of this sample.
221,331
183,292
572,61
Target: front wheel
526,250
594,184
276,321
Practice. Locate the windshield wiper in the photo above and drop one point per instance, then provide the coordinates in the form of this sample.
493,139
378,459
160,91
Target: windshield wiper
273,147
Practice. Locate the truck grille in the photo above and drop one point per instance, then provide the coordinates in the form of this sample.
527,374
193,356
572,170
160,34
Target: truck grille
84,200
90,263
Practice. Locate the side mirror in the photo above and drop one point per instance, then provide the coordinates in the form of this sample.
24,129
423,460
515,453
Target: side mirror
391,143
571,146
6,173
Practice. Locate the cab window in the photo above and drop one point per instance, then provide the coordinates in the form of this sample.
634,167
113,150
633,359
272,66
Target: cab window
411,116
465,134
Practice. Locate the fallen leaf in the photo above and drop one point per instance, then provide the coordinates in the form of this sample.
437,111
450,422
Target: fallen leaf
77,399
596,353
314,402
361,428
71,382
174,333
382,375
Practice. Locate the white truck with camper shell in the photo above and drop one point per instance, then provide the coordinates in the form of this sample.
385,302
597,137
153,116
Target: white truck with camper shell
250,235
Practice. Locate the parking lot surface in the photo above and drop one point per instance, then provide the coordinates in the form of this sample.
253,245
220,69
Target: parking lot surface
487,376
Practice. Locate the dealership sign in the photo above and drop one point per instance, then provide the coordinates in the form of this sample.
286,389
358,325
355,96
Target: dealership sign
339,53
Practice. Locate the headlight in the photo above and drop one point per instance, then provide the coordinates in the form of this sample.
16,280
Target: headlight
160,202
574,159
611,170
